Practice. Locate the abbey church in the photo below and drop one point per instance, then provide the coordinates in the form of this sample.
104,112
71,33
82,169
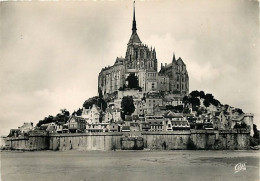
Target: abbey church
141,61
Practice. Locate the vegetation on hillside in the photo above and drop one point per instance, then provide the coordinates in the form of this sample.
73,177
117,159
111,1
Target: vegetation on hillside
97,100
60,118
195,96
127,106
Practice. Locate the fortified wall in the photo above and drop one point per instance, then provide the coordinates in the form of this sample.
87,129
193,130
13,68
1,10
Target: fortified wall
177,140
28,143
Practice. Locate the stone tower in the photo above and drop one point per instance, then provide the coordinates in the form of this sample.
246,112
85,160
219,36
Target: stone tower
139,56
141,61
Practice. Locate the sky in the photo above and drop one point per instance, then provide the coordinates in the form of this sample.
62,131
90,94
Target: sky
52,52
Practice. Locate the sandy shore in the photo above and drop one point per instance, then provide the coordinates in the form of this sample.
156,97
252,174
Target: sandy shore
129,165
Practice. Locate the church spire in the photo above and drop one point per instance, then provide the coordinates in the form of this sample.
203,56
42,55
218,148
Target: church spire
173,58
134,22
134,39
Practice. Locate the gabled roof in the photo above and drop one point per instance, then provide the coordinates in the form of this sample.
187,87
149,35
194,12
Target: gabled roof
180,61
168,65
97,108
171,114
134,39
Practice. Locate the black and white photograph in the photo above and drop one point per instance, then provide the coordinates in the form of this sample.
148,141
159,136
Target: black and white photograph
144,90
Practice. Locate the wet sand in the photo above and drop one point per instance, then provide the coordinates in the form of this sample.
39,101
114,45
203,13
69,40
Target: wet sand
129,165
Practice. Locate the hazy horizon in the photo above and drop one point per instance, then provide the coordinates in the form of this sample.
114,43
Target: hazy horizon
52,52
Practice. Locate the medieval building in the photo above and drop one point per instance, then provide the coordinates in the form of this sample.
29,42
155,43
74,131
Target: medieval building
141,60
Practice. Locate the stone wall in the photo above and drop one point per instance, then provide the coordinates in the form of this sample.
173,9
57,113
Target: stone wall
27,143
186,139
85,141
220,140
132,143
176,140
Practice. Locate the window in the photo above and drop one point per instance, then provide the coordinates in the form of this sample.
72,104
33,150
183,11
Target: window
142,53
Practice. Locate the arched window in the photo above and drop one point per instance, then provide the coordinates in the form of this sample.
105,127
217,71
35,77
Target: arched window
142,53
142,65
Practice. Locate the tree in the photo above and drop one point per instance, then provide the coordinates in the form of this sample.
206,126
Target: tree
63,116
89,102
209,97
215,102
185,100
195,93
202,94
194,101
79,112
46,120
127,105
178,108
206,103
97,100
65,112
169,107
240,111
132,81
186,110
191,100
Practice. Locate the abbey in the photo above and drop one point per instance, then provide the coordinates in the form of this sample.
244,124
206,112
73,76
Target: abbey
141,61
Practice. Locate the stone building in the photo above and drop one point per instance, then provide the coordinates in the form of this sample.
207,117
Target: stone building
76,124
142,61
26,127
92,115
178,76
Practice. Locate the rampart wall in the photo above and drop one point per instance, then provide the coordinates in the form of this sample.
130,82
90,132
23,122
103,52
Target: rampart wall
177,140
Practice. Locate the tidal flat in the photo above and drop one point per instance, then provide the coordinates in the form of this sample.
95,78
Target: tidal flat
129,165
